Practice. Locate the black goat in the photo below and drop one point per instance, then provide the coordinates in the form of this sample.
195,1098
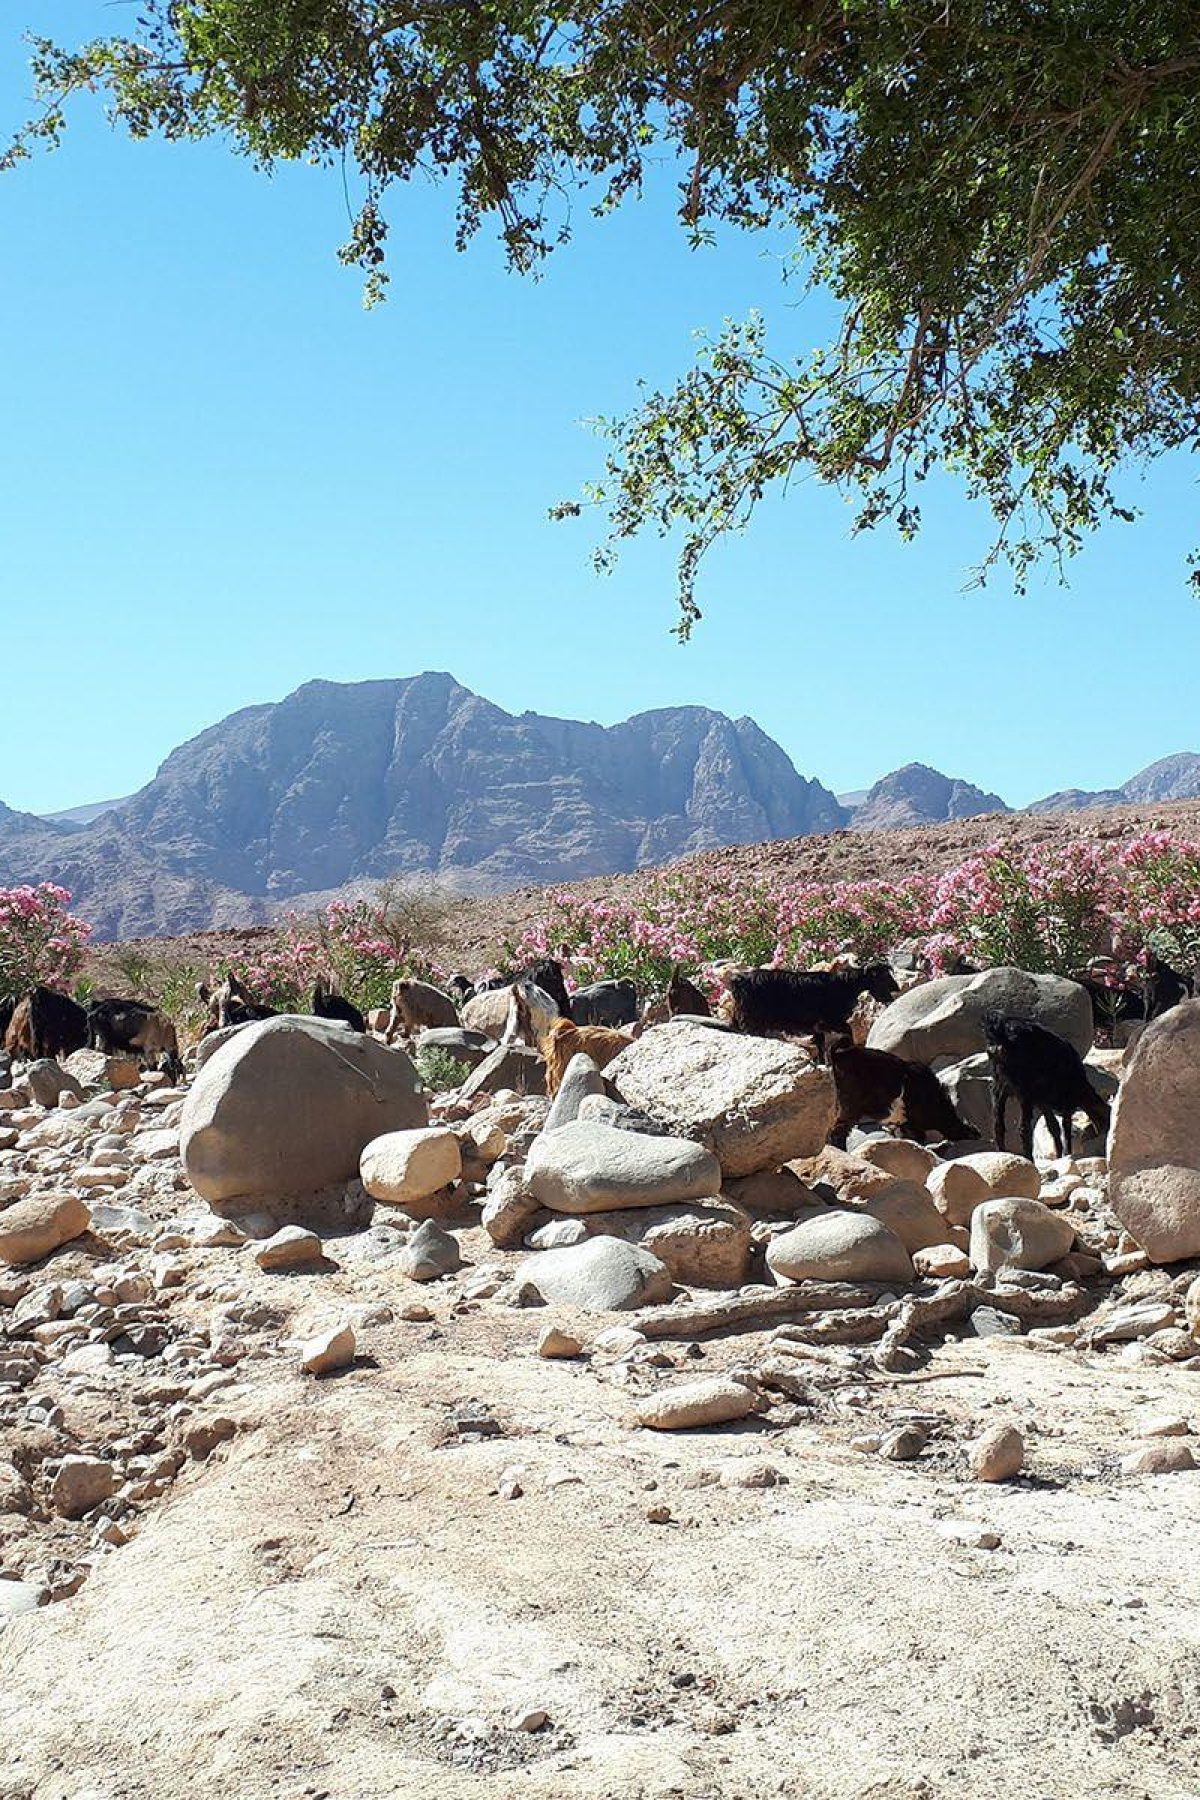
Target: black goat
8,1006
874,1084
1046,1074
1162,986
804,1004
610,1003
46,1023
135,1028
683,996
328,1005
461,989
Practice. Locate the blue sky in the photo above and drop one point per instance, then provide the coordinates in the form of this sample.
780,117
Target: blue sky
220,477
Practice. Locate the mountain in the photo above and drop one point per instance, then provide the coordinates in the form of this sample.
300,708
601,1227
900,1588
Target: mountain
341,783
917,795
1171,778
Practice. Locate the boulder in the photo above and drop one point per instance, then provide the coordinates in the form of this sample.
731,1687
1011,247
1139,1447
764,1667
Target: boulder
33,1227
46,1081
604,1275
899,1157
289,1250
581,1081
287,1105
969,1085
943,1019
509,1210
92,1068
80,1483
908,1211
716,1401
837,1245
1154,1144
584,1168
773,1191
957,1189
846,1173
754,1102
409,1168
469,1047
1003,1173
702,1246
942,1262
1018,1234
510,1066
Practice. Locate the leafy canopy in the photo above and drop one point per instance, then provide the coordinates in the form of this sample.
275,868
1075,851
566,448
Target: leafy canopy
1003,198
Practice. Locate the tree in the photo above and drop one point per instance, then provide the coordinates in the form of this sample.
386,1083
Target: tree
1001,195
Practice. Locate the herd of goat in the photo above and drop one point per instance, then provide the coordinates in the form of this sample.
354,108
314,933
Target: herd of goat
1043,1073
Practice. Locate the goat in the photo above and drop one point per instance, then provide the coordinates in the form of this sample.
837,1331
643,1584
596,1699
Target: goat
873,1084
231,1003
46,1023
605,1003
532,1012
326,1004
117,1027
8,1005
804,1004
461,989
416,1005
1162,986
683,996
1046,1074
563,1040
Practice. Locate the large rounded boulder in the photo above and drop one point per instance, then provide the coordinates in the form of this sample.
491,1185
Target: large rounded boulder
286,1106
1154,1144
943,1020
754,1102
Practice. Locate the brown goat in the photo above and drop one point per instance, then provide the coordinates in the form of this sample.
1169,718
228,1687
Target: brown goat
564,1040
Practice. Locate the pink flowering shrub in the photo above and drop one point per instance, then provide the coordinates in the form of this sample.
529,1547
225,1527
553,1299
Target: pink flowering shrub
40,939
360,945
1049,911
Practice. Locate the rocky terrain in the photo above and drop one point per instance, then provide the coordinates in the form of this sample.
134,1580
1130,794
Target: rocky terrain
340,786
358,1440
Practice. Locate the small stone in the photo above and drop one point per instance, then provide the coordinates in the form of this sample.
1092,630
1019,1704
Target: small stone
533,1718
415,1312
971,1537
1165,1456
559,1234
18,1597
429,1253
749,1474
904,1444
554,1344
715,1401
80,1483
658,1515
511,1487
290,1249
329,1350
987,1321
997,1454
32,1228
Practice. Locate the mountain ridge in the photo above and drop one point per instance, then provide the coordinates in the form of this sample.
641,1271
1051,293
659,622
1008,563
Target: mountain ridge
339,785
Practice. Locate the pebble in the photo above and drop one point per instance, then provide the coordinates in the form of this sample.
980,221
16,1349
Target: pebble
715,1401
658,1515
511,1484
415,1312
533,1718
904,1444
997,1454
554,1344
1165,1425
80,1483
971,1537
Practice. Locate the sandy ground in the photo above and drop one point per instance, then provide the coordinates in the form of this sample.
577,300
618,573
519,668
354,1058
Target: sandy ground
340,1603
